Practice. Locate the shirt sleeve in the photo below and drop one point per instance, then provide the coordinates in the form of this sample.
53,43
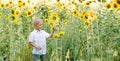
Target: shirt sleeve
46,34
31,37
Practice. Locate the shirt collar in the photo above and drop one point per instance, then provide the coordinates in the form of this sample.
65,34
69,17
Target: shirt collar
36,30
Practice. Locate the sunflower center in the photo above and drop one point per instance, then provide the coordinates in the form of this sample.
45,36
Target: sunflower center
29,13
35,7
19,1
86,17
87,3
115,6
7,5
46,21
28,1
118,1
2,5
19,6
86,23
80,1
108,6
58,0
61,34
54,18
51,23
10,2
81,16
12,18
74,12
23,4
17,12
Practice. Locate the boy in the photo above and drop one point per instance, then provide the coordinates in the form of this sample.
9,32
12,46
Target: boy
37,39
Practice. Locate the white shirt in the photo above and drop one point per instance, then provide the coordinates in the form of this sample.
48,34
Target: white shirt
39,38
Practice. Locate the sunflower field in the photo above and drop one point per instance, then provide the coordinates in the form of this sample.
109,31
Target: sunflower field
87,30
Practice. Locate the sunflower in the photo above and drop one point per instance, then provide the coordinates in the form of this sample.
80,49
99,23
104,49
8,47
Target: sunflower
117,2
12,18
19,1
87,23
35,7
83,15
21,4
108,6
80,1
65,21
92,16
2,5
58,0
51,23
75,12
16,12
29,13
54,17
7,5
93,0
46,21
62,8
28,1
10,2
74,3
12,11
80,30
61,33
55,35
59,4
116,6
91,13
88,3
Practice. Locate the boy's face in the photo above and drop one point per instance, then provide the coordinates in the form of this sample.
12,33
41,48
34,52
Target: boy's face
38,25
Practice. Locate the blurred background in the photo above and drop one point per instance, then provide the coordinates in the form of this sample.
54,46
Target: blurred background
87,30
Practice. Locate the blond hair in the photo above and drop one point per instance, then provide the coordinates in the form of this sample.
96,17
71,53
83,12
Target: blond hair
37,20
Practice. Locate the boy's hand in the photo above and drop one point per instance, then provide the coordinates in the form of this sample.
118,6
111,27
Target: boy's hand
38,47
54,28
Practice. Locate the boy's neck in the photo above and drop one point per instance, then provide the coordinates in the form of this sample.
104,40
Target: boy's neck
38,29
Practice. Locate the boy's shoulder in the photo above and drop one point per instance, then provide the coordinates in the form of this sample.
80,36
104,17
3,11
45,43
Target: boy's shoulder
32,32
42,31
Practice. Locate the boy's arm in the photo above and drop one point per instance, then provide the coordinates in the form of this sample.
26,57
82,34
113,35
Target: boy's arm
34,45
54,29
51,34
